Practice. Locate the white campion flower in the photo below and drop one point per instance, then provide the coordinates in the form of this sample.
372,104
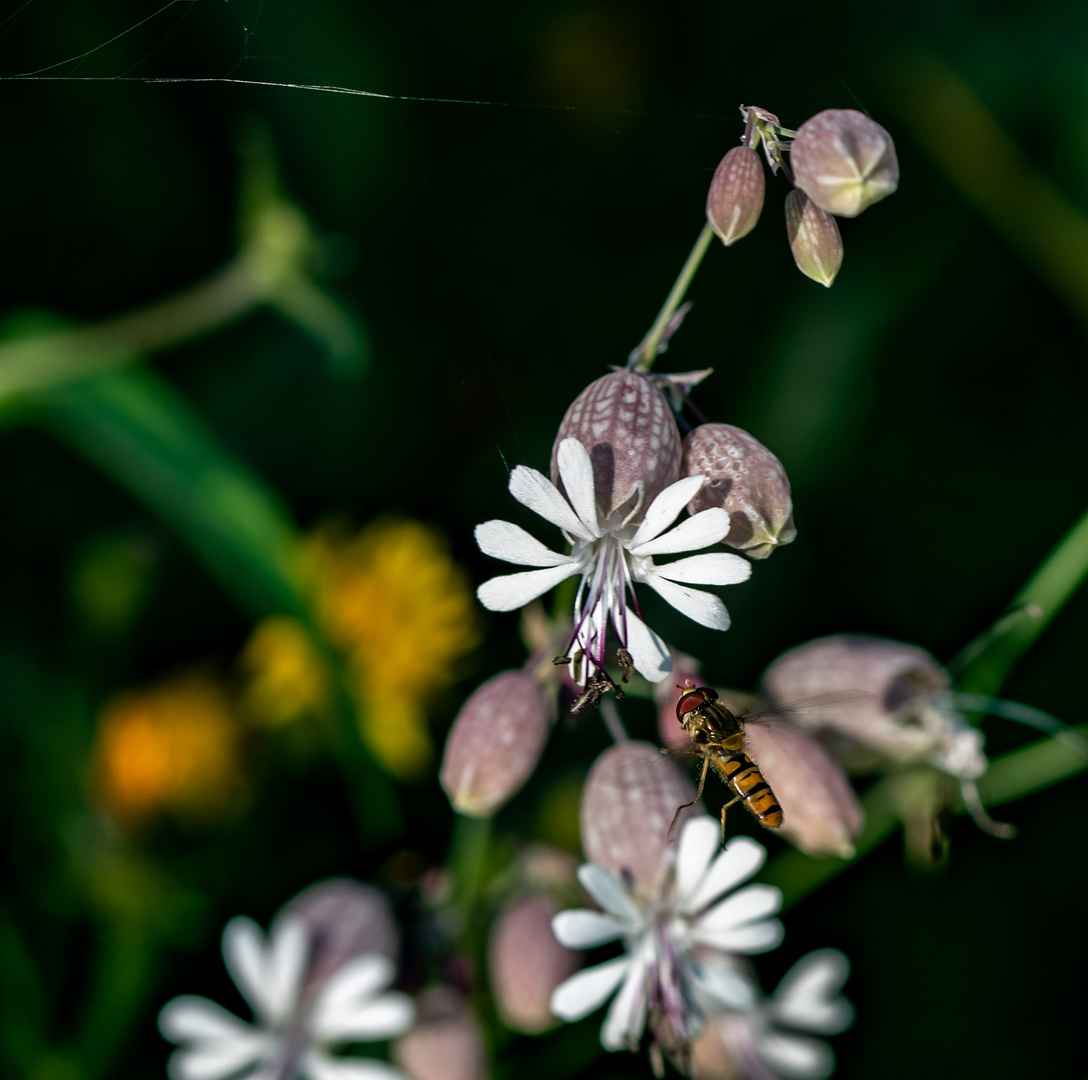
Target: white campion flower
294,1030
681,943
611,553
766,1041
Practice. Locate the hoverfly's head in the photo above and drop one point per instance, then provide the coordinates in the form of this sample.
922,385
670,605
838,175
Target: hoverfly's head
692,699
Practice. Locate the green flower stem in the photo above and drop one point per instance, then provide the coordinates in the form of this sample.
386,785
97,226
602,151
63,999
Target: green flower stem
468,856
647,353
1044,595
1010,777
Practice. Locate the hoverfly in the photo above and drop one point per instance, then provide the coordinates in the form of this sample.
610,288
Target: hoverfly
717,736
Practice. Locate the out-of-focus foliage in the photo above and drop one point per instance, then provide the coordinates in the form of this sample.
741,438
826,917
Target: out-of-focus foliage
406,313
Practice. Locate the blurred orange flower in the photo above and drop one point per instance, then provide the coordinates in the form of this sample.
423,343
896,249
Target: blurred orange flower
392,599
171,747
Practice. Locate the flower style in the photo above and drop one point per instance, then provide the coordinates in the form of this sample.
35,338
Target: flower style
764,1042
680,944
294,1028
611,553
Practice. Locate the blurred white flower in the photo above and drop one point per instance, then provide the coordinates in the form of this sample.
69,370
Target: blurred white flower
611,553
681,943
765,1043
294,1029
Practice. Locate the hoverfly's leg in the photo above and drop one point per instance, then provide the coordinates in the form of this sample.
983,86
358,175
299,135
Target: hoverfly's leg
698,796
735,799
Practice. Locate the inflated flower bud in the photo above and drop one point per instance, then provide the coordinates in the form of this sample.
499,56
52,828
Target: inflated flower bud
821,813
844,161
345,919
527,963
626,424
814,238
446,1043
885,701
495,743
736,195
669,729
745,478
628,803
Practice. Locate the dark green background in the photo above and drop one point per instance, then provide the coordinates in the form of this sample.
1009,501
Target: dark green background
930,410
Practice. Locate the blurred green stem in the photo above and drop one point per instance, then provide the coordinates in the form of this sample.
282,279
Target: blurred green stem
468,853
647,351
1010,777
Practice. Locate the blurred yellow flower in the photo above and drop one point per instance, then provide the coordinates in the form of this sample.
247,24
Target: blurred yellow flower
403,613
171,747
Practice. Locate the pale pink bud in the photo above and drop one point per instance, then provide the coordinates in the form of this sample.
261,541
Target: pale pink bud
446,1043
736,195
527,963
345,919
626,424
669,729
495,743
821,813
745,478
814,238
628,803
881,697
844,161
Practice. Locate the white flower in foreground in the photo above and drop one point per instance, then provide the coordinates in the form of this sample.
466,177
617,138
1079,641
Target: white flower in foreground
680,944
293,1030
611,554
765,1042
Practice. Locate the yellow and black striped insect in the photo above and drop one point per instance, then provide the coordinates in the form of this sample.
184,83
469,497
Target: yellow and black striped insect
717,736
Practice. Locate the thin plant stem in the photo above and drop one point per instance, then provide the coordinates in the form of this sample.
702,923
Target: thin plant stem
468,854
611,717
647,353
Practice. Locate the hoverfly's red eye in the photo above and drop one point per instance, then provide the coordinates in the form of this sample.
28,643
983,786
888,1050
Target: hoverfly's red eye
691,700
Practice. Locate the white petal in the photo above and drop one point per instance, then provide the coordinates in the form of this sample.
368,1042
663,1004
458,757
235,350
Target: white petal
750,904
579,995
741,858
727,985
700,531
703,608
382,1018
754,938
539,494
211,1061
807,997
715,569
318,1066
648,652
511,591
609,892
796,1058
355,983
511,543
663,510
289,947
244,954
580,929
699,842
576,469
191,1018
627,1015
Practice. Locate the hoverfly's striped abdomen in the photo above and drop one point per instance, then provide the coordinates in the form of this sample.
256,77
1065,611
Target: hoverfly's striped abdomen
739,771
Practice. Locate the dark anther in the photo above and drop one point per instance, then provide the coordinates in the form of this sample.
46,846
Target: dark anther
560,661
626,664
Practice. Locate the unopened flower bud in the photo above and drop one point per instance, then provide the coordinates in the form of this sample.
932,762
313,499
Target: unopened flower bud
495,743
844,161
626,424
745,478
345,919
628,803
527,963
736,195
814,238
884,701
446,1043
821,813
669,729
